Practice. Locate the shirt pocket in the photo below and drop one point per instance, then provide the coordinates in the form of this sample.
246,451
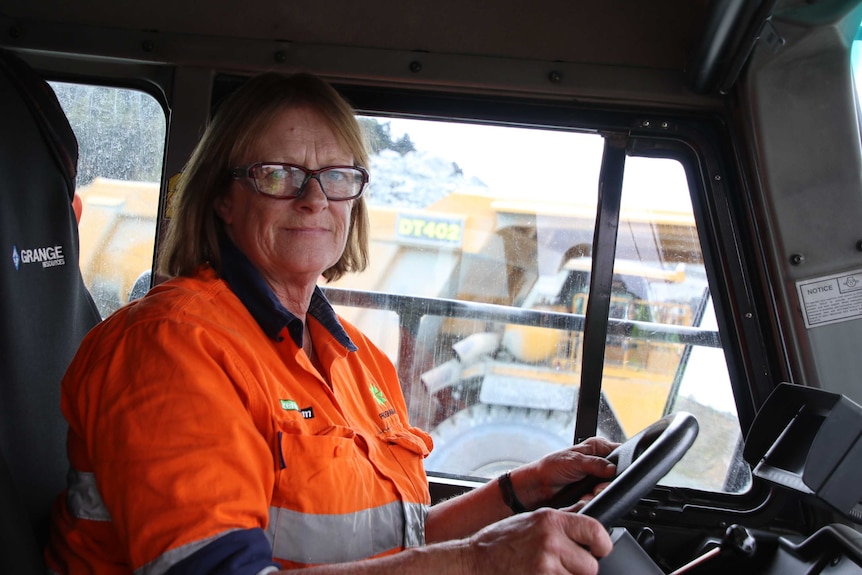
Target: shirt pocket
409,447
413,440
319,470
311,448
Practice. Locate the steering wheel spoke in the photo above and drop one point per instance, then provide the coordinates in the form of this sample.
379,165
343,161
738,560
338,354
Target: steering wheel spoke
641,463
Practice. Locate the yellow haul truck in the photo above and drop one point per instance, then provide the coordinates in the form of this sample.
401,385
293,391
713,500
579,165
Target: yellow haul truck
117,233
496,393
493,391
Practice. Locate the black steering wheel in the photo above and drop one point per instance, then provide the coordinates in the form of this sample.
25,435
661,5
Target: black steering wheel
641,462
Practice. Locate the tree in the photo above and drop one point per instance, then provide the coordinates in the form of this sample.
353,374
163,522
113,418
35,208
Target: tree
379,137
120,132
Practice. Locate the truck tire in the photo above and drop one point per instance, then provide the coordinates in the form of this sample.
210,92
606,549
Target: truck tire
487,440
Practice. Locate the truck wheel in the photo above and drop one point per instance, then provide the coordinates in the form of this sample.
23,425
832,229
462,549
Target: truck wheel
487,440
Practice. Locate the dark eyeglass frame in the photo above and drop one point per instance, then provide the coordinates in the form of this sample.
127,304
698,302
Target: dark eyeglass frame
247,172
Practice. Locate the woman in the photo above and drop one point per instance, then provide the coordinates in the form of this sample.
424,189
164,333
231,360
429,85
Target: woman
229,422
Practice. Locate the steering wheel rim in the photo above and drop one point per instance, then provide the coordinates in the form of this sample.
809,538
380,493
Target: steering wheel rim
641,463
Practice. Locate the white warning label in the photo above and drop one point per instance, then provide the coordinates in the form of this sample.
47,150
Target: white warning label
831,299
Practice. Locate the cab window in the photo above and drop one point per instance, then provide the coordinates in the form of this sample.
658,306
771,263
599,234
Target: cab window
481,256
121,139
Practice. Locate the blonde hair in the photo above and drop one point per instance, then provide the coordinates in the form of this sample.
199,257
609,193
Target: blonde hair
193,231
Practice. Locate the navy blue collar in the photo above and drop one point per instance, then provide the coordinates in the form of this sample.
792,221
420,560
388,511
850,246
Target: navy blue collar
256,295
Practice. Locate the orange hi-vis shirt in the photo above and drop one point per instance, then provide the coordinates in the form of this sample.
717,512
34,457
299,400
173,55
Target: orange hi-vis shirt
198,442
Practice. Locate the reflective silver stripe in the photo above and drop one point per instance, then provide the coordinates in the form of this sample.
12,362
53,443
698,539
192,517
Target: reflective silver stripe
170,558
83,497
313,539
414,524
85,502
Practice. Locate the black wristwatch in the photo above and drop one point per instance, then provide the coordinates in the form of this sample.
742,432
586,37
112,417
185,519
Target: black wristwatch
508,491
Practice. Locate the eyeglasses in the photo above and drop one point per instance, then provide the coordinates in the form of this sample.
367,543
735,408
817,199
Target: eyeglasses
287,181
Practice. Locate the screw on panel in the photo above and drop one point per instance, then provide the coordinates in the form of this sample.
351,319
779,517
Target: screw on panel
280,56
555,76
663,125
415,66
717,177
749,315
797,259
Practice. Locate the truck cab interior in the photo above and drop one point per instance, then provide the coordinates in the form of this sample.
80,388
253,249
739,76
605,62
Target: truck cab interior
586,218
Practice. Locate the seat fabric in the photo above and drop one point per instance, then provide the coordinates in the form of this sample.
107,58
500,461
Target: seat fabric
45,308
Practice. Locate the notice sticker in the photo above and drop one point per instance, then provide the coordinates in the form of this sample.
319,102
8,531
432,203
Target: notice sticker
831,299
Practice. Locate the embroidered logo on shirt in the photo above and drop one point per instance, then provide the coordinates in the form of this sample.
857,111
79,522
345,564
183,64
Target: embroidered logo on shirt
289,405
378,395
381,399
386,414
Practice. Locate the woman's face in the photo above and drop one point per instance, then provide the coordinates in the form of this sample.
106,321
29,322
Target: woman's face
291,242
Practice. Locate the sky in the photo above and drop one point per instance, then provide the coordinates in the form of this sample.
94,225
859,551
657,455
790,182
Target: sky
535,162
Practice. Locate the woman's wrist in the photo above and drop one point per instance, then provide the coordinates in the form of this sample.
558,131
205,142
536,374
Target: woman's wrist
524,488
507,492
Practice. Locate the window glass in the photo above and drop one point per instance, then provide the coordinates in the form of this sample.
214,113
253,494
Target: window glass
660,283
121,139
481,247
455,211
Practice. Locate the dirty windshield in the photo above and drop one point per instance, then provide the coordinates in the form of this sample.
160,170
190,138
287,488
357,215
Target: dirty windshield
500,218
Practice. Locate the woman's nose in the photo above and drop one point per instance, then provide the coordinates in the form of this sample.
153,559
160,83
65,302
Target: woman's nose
312,193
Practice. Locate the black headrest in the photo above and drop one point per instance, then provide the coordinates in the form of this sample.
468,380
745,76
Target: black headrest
45,309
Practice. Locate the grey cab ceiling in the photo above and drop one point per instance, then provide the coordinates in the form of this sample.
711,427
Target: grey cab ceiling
554,30
664,50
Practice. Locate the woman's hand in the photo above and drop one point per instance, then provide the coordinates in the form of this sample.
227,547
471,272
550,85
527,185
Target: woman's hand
546,541
536,483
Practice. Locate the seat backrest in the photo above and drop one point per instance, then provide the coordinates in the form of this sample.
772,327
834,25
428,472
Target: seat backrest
45,309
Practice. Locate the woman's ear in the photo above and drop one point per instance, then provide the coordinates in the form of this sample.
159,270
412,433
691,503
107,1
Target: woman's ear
224,208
